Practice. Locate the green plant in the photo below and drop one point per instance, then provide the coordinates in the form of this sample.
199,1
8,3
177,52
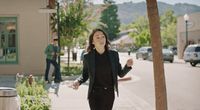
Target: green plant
72,70
34,96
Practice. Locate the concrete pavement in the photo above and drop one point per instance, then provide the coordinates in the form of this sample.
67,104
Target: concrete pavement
7,81
65,98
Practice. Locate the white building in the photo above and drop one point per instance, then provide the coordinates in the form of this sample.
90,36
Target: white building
193,32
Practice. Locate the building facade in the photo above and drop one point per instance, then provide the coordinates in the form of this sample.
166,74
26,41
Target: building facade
193,32
24,34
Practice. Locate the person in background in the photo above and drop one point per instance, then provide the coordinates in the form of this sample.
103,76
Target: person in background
82,53
52,52
74,54
101,65
129,51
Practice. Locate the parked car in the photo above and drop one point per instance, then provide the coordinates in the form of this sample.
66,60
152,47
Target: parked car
173,49
167,55
143,52
192,54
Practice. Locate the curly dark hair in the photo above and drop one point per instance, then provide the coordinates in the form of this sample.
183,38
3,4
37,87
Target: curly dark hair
91,46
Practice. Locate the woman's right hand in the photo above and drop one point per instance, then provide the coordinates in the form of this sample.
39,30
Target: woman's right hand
75,85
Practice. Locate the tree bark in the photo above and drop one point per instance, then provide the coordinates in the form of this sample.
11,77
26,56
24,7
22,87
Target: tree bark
159,78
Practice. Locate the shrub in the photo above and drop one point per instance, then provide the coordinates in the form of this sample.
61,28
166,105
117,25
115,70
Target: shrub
32,96
72,70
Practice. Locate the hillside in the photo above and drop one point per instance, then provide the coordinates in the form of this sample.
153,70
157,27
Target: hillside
129,11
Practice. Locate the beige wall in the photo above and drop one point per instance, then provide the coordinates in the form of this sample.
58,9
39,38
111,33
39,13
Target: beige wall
32,35
193,31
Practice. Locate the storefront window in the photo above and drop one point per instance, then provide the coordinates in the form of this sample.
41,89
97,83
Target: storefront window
8,40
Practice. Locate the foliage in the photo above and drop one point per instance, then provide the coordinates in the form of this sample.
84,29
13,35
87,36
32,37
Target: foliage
142,37
169,35
82,11
72,70
34,96
168,30
72,21
109,20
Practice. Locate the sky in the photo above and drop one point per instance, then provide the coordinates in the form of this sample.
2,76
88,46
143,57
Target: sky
195,2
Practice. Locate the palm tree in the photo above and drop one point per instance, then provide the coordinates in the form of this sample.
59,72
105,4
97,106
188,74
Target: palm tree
160,86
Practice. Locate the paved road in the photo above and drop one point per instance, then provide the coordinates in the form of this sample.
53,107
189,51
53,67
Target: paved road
182,80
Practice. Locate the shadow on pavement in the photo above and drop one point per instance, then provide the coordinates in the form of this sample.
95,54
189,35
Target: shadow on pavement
52,87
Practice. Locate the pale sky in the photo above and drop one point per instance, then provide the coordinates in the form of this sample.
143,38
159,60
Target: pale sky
196,2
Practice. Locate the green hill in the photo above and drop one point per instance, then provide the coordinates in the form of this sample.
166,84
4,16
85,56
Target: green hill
128,12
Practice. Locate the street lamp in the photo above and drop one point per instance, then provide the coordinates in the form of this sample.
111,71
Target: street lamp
186,18
58,29
48,10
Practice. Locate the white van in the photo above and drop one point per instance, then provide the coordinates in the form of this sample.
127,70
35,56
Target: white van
192,54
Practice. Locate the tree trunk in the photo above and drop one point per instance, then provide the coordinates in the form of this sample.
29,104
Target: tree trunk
159,78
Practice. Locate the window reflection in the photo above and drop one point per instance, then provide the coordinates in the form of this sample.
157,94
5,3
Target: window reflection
2,46
8,47
11,54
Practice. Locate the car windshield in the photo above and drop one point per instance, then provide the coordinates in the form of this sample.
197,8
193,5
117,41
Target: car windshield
149,50
197,49
190,49
145,49
174,48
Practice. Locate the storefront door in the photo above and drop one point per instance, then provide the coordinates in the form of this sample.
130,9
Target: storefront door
8,40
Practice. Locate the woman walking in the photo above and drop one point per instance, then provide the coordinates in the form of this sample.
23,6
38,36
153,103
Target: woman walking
102,67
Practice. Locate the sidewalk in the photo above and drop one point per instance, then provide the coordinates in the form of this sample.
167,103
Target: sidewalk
65,98
7,81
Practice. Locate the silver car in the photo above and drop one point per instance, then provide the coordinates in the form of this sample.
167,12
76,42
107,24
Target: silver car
143,52
192,54
167,55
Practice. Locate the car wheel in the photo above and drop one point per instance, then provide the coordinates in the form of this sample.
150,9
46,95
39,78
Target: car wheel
193,64
171,61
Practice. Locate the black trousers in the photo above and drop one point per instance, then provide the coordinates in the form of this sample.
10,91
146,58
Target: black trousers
57,70
101,99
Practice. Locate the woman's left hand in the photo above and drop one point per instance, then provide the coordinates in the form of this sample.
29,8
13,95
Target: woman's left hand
129,62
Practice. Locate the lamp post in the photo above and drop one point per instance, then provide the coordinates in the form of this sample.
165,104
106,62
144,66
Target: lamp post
58,29
186,18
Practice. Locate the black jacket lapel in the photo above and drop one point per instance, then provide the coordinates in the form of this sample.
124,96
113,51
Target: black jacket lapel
92,63
113,67
112,60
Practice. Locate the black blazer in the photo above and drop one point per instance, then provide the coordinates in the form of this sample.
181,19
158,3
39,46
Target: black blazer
89,69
